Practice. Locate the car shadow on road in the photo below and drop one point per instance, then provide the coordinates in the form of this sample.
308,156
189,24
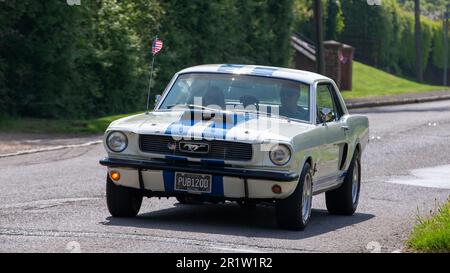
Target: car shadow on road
230,219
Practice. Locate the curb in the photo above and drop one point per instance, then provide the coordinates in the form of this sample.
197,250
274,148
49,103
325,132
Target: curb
50,149
390,102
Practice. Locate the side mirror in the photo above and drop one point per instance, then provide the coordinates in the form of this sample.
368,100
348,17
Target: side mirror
326,115
157,99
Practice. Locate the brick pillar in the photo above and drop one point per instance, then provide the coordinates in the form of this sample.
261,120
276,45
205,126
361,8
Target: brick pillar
333,51
347,67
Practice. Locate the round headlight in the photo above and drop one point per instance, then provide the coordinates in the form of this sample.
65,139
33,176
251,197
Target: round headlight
117,142
280,155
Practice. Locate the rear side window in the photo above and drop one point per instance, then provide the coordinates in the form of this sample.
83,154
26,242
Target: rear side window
337,103
324,100
327,98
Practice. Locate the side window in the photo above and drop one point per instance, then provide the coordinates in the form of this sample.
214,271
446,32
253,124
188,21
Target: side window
325,104
337,104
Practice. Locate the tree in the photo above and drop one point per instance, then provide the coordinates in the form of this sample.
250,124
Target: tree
334,20
319,36
429,8
418,39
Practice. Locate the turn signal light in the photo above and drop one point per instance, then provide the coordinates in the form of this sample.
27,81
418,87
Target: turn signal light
115,175
276,189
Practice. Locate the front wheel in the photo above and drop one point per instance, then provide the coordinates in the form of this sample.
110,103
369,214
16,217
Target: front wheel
122,201
344,200
294,212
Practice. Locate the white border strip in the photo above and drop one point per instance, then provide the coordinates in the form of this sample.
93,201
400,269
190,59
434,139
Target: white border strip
50,149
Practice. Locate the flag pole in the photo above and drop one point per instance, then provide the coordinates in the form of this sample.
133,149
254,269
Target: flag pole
151,77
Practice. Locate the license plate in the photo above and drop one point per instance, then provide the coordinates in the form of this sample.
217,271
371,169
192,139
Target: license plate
197,183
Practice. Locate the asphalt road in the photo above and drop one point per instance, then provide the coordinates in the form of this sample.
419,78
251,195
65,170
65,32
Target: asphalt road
55,201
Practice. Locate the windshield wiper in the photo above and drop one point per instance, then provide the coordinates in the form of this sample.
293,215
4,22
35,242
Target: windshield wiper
192,106
255,112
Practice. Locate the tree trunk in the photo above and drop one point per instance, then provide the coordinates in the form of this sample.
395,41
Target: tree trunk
418,36
319,36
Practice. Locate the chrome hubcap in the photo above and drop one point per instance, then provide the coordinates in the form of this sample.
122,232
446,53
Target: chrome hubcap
307,197
355,182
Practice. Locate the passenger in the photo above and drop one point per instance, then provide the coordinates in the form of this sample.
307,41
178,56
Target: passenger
289,97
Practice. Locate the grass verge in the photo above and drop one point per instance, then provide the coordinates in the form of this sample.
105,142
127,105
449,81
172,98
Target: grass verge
371,82
49,126
432,234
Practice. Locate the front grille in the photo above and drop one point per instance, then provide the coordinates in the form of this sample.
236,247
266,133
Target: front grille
219,149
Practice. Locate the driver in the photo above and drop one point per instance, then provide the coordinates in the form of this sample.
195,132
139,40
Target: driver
289,96
214,97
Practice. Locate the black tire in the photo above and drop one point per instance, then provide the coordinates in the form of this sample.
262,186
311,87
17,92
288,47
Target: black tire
289,211
342,201
187,200
122,202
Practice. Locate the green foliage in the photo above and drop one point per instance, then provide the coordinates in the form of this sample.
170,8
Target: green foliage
61,61
367,28
223,31
36,48
431,8
117,61
432,234
303,17
334,20
384,36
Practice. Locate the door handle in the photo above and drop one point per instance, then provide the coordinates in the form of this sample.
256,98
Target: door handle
345,128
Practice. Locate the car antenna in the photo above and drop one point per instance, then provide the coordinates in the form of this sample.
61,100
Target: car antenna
157,46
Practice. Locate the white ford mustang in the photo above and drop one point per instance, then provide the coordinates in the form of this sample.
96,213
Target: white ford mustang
240,133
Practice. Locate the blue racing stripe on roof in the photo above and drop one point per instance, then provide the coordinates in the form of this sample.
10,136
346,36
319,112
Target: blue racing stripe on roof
263,71
229,67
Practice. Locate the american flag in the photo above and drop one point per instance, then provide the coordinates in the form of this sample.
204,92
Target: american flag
157,46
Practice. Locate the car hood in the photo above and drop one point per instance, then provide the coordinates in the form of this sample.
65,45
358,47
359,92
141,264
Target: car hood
245,127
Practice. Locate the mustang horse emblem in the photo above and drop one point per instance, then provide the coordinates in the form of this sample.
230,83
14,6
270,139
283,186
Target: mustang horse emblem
194,148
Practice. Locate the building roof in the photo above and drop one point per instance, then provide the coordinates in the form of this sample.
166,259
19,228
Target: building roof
258,70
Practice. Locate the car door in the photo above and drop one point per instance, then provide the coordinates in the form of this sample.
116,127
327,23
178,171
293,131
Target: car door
333,133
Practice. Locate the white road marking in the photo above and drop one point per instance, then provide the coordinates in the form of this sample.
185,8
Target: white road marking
434,177
238,250
51,149
40,204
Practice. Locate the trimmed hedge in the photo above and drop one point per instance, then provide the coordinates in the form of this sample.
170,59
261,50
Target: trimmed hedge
384,36
61,61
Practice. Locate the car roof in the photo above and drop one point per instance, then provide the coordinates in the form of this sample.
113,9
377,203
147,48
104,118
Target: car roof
258,70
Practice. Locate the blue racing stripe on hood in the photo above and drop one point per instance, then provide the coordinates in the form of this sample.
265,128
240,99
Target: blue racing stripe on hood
183,125
219,129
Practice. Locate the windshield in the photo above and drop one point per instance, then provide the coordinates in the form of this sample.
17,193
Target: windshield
232,92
